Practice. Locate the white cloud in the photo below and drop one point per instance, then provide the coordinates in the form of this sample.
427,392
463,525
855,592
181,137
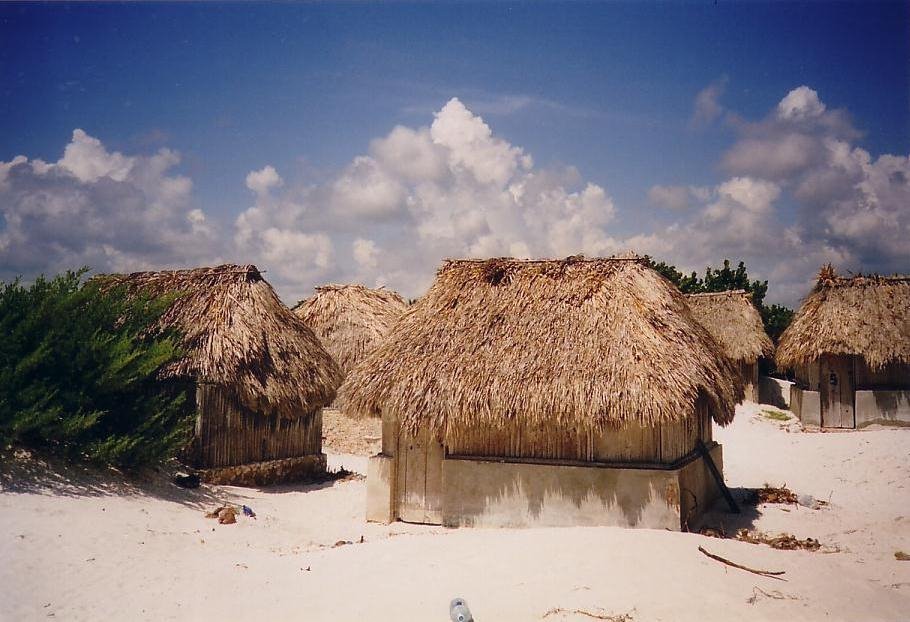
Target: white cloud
422,194
366,253
366,189
800,103
798,193
87,159
104,209
670,197
263,180
473,148
707,104
802,195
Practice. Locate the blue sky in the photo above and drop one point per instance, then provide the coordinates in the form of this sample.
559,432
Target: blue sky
607,89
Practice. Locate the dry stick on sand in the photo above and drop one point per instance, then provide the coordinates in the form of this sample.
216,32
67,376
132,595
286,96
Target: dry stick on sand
764,573
622,617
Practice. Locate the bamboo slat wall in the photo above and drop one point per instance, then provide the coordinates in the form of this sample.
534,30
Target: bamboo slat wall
663,444
227,434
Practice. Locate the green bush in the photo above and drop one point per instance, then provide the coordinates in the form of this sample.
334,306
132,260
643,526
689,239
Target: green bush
775,318
78,373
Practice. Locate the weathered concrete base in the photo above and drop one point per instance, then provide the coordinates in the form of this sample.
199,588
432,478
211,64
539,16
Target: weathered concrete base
883,408
379,489
774,391
806,405
485,493
299,469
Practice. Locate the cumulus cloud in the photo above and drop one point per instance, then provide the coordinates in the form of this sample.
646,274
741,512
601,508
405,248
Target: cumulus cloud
99,208
802,194
797,192
707,104
677,197
263,180
800,103
452,189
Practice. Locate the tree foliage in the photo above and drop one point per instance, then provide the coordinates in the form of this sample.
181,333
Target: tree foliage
78,373
775,318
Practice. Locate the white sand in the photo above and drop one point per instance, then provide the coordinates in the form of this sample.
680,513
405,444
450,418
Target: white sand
76,556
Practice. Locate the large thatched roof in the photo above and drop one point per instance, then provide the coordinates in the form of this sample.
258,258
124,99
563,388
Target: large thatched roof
238,334
351,320
587,343
868,316
734,322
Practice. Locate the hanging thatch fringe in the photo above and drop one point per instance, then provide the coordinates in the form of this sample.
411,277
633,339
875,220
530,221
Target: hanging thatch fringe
734,322
867,316
589,343
239,335
351,320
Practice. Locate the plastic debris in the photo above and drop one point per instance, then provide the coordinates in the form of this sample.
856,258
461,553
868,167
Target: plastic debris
459,612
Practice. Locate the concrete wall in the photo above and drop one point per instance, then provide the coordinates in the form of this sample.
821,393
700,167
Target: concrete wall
774,391
806,405
882,407
486,493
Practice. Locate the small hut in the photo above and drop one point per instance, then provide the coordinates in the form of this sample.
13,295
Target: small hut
734,322
351,320
849,347
554,392
261,377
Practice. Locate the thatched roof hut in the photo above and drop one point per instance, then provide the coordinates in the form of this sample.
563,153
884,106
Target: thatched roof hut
550,363
849,345
239,335
594,343
734,322
261,374
867,316
351,320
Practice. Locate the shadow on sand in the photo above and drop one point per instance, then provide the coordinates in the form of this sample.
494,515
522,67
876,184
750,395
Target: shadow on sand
25,472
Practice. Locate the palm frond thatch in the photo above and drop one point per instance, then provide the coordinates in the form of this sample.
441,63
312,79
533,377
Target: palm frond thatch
592,343
867,316
351,320
236,333
734,322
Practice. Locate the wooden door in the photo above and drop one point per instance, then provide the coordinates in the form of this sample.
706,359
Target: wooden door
419,478
836,391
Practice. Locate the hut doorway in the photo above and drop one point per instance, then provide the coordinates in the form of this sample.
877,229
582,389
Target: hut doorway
419,478
836,388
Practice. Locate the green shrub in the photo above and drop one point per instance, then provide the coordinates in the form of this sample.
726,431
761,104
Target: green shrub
78,373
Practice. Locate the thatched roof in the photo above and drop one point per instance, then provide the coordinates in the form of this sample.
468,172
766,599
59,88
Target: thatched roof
589,343
868,316
351,320
238,334
734,322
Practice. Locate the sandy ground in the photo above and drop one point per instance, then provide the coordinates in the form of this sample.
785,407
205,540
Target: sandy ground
87,551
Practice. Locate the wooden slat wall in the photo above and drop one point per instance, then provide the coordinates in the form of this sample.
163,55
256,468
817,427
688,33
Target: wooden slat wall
633,444
893,376
227,434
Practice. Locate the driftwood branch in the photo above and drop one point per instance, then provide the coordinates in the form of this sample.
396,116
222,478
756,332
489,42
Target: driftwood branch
772,574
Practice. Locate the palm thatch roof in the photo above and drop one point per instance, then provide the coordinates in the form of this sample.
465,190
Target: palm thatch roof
587,343
868,316
351,320
734,322
236,333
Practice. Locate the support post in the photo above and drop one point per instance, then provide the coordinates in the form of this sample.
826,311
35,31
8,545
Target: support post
718,478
